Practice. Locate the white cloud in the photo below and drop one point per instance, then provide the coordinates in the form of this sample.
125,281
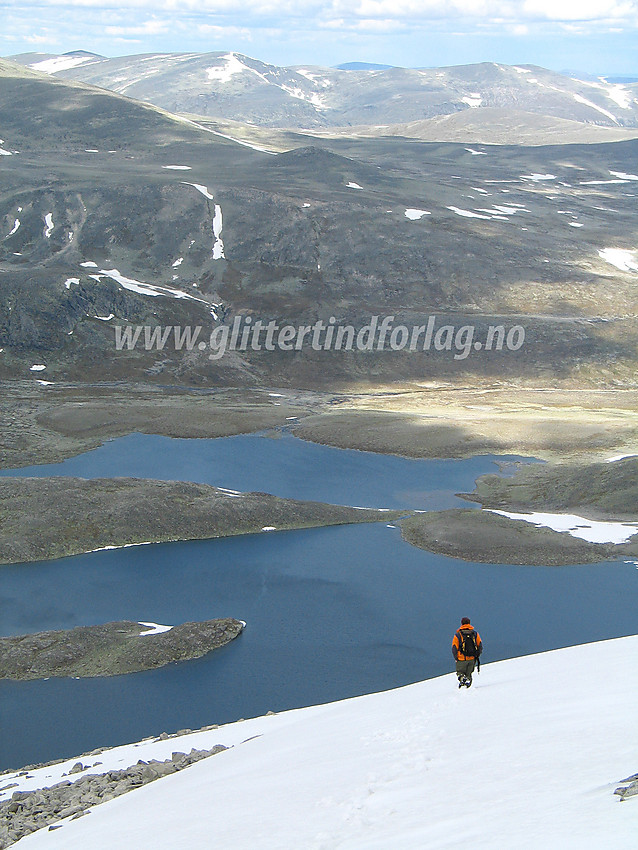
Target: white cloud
224,31
332,31
579,10
385,11
151,27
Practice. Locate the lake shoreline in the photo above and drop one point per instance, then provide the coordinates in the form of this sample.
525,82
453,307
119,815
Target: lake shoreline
51,423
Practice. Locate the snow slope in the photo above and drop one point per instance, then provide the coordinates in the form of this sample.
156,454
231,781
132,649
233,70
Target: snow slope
529,757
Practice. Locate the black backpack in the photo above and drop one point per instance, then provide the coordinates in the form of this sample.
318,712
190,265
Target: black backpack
468,645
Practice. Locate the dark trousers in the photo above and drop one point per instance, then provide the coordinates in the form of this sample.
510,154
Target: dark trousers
465,668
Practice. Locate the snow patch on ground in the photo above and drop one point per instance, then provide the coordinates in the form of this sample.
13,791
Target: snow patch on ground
314,98
72,281
142,288
468,213
232,66
37,367
601,182
499,211
154,629
614,91
623,176
60,63
218,247
119,546
536,178
178,167
415,215
475,152
624,260
473,99
183,120
594,531
381,771
201,189
16,225
586,102
48,220
314,78
352,185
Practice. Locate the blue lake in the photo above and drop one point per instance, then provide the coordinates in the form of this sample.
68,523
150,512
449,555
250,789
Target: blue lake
281,464
331,612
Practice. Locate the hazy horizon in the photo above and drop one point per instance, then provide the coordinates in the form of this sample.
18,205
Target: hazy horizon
598,37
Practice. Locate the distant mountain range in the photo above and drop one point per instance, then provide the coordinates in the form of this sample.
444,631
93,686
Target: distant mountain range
116,212
237,87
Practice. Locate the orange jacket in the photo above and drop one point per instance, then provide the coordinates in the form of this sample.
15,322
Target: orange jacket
459,656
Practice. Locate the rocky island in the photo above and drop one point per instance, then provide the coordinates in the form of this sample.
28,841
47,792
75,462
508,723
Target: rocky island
111,649
491,538
603,495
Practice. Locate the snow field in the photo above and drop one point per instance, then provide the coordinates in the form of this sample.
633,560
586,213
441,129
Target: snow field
154,629
594,531
389,769
60,63
625,261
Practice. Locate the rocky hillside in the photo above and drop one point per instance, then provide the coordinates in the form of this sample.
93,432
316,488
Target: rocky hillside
113,212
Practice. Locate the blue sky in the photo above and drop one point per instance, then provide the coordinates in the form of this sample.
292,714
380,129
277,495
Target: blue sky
598,36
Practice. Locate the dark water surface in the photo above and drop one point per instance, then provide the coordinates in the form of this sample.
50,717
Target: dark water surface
331,612
284,466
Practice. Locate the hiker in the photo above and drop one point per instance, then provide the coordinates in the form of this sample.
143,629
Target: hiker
466,649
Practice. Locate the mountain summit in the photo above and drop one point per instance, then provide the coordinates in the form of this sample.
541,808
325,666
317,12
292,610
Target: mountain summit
235,86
